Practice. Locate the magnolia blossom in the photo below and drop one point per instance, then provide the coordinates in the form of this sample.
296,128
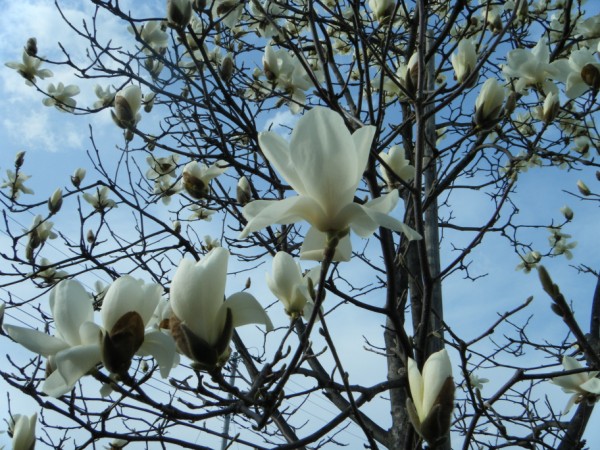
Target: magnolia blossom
398,164
230,11
289,285
61,97
16,183
128,102
567,212
285,70
581,72
179,13
551,107
55,201
106,96
529,261
162,167
243,193
201,213
324,164
583,385
48,272
533,68
202,323
405,80
153,35
75,348
432,393
382,9
489,104
197,176
41,230
464,61
29,68
100,200
78,177
127,308
22,429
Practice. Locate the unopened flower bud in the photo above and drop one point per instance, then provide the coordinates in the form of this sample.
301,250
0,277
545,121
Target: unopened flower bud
179,13
129,135
243,192
248,283
227,66
591,76
489,104
567,212
90,237
31,46
19,159
583,188
55,201
149,101
127,105
199,5
177,226
551,107
78,177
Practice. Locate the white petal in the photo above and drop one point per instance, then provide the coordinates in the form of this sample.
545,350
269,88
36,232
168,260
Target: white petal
262,213
436,370
245,310
415,382
198,290
162,348
127,294
592,385
324,156
315,242
277,151
71,365
71,306
36,341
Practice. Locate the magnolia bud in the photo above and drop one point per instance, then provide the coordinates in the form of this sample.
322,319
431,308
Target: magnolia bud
90,237
243,192
149,101
591,76
177,226
248,283
489,104
583,188
227,66
19,159
31,46
55,201
78,177
179,13
567,212
551,107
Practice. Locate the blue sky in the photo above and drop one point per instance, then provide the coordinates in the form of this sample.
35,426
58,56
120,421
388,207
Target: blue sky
56,145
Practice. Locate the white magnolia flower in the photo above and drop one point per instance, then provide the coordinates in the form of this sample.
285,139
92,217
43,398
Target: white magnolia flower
100,200
529,261
127,308
489,104
551,107
230,11
49,273
432,393
405,80
567,212
162,167
29,68
464,61
382,9
477,382
152,33
128,101
533,68
75,348
61,97
55,201
22,429
16,183
581,73
197,176
324,164
399,165
201,213
179,12
243,193
583,385
41,230
78,176
202,323
290,286
106,97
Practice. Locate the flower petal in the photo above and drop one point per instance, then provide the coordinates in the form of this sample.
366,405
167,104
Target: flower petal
315,242
71,306
36,341
436,370
246,309
415,382
162,348
71,365
277,151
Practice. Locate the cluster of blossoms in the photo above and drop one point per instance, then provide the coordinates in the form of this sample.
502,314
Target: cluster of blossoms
133,317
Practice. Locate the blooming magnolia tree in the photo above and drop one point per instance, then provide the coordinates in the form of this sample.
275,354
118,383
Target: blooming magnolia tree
354,209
